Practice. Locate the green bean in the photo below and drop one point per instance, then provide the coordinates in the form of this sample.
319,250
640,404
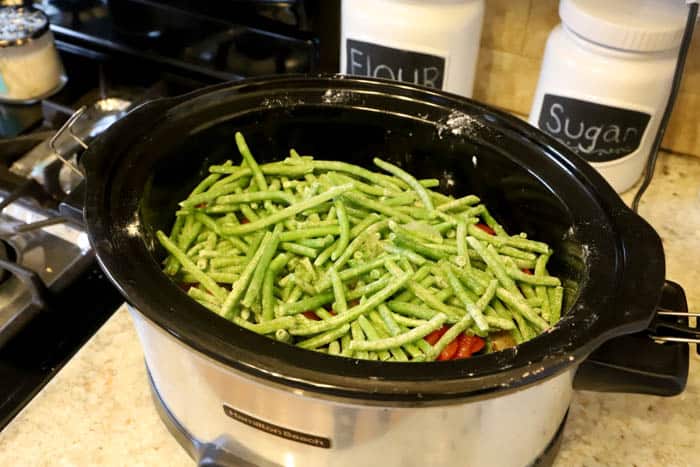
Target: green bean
200,295
325,338
405,252
323,313
412,309
253,292
221,277
252,197
528,245
266,327
374,190
422,249
470,279
345,344
405,338
359,292
253,246
234,297
362,226
344,239
500,323
357,335
476,312
516,253
462,249
204,185
351,273
383,333
468,200
250,161
417,213
421,274
282,335
334,348
541,292
409,322
286,212
419,230
399,200
525,330
377,206
372,335
268,299
356,171
433,301
479,234
341,305
388,317
311,232
324,256
373,229
316,243
556,298
532,279
210,195
299,249
189,266
496,265
408,179
306,304
354,312
171,265
522,307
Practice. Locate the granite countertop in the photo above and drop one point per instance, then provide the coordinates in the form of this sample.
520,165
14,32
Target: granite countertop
98,409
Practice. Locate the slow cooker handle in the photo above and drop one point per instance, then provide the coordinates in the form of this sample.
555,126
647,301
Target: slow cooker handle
636,363
143,115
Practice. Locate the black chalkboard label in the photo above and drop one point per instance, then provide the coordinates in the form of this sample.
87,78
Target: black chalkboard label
378,61
596,132
282,432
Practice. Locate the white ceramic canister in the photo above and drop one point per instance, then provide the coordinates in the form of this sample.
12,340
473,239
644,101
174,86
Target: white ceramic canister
434,43
605,80
30,67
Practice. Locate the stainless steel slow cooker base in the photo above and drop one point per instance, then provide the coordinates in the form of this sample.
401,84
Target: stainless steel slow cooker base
213,454
269,425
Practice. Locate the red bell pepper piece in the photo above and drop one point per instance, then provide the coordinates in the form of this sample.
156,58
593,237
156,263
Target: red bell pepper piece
468,345
311,315
435,336
449,351
486,228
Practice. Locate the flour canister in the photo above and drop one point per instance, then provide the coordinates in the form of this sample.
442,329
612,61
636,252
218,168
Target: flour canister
605,80
433,43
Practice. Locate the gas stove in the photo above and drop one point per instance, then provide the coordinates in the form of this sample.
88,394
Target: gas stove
117,54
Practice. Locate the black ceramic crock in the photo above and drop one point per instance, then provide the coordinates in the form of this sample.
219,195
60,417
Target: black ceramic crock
611,261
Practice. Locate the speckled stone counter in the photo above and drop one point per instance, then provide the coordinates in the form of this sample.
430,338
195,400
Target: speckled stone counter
98,409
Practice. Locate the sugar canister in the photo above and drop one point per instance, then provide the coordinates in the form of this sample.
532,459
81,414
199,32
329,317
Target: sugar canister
605,79
433,43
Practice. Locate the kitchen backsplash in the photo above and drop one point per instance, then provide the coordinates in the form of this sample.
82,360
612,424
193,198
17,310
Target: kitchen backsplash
511,55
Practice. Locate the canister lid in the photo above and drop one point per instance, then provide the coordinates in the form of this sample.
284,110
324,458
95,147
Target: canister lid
19,25
639,25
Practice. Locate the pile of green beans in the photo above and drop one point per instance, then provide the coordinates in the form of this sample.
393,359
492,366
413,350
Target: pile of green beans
335,258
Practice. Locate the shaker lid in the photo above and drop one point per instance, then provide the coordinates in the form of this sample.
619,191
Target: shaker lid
639,25
19,25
